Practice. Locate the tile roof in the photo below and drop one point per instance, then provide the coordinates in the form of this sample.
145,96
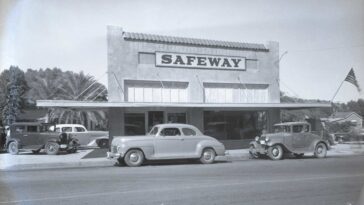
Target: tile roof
193,41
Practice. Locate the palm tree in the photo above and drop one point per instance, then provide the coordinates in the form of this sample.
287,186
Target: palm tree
57,85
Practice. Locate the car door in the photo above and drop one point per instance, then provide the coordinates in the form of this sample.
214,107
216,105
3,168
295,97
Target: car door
19,132
168,144
32,136
81,134
189,141
298,137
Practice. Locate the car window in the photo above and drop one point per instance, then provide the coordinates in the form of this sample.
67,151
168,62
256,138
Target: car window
170,132
19,128
297,128
67,129
80,129
188,132
32,128
154,131
58,129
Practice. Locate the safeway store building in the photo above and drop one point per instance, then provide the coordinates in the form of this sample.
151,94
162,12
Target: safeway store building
229,90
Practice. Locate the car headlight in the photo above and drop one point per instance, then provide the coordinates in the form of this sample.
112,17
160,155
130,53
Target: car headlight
257,138
267,139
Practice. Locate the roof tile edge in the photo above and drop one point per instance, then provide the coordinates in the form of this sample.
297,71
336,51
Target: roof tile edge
194,41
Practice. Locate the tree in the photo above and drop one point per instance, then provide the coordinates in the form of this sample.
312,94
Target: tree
53,84
13,92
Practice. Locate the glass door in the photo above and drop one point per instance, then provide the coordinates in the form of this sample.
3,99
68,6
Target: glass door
154,118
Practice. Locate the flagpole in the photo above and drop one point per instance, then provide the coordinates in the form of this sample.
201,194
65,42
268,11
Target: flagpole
332,100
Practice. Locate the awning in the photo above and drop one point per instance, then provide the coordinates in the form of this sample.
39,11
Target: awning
102,105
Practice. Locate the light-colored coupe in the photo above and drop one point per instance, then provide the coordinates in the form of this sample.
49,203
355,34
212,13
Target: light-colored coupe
166,141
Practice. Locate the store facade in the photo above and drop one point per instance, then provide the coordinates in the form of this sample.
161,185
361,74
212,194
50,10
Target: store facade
229,90
165,70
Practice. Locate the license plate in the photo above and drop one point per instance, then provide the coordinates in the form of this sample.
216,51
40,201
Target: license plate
62,146
262,142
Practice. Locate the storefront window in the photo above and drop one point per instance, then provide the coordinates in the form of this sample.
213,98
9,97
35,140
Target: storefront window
176,117
134,124
234,125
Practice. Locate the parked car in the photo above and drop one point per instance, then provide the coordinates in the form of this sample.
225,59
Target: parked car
84,137
36,136
291,137
166,141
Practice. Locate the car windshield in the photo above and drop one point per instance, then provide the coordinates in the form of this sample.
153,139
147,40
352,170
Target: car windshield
281,128
153,131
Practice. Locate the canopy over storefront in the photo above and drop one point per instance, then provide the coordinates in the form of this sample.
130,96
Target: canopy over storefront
231,106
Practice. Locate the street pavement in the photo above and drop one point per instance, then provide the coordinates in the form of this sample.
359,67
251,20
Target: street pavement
97,157
330,181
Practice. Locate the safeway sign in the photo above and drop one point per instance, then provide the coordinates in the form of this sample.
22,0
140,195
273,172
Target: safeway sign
199,61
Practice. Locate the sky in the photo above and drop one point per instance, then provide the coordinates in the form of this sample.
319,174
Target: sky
323,38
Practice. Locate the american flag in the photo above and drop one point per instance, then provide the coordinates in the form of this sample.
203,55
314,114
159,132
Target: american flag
352,79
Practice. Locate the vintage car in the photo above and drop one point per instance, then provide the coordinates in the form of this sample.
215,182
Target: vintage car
166,141
37,136
85,137
290,137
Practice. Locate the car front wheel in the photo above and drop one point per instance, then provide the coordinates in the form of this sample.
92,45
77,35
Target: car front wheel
13,148
275,152
52,148
208,156
320,150
134,158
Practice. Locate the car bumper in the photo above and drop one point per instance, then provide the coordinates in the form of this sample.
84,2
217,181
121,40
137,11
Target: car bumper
111,155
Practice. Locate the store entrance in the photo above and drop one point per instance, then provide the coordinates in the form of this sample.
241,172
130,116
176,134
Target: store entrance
154,118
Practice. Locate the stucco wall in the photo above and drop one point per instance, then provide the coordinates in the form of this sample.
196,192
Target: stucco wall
123,58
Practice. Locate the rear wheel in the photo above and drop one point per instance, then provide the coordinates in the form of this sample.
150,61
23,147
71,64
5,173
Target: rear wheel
52,148
320,150
275,152
208,156
13,148
134,158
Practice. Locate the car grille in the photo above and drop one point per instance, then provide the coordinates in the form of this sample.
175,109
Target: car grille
114,149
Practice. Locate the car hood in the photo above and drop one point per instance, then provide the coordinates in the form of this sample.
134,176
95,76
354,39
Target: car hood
274,135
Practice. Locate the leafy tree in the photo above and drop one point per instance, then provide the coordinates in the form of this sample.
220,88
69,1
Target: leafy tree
13,92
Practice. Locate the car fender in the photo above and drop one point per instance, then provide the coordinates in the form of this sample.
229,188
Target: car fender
315,142
146,147
285,148
207,144
13,140
254,143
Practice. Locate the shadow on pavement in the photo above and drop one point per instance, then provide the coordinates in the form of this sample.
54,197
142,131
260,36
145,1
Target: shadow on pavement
171,162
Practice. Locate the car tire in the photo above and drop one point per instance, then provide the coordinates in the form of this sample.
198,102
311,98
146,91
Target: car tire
52,148
13,148
253,153
134,158
275,152
320,150
208,156
103,143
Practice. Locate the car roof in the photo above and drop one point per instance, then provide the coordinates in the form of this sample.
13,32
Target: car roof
68,125
26,123
174,125
291,123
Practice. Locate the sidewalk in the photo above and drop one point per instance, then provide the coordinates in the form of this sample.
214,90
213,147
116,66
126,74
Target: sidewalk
97,158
